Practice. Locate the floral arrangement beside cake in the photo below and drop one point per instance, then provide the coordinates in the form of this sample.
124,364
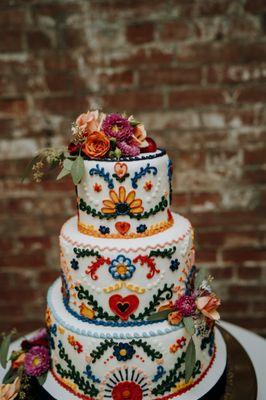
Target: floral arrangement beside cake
131,317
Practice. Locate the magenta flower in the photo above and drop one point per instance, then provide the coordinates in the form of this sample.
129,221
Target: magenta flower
118,127
37,361
186,305
128,149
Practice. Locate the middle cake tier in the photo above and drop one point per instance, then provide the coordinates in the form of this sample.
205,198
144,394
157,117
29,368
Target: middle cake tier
123,282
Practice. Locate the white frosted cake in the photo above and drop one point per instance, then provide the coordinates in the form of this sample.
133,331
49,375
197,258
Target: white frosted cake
130,318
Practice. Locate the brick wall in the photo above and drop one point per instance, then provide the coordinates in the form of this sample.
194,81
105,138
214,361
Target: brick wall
194,72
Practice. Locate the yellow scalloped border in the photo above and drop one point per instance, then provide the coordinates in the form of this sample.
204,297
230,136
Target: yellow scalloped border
153,230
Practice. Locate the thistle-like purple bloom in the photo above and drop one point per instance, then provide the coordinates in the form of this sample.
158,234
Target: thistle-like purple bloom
128,149
186,305
37,361
118,127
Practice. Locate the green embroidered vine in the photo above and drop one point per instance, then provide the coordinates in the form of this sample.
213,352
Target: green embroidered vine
100,350
84,385
166,293
166,253
86,253
161,206
173,377
153,354
100,313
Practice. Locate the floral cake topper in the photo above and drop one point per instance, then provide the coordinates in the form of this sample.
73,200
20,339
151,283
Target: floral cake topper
95,135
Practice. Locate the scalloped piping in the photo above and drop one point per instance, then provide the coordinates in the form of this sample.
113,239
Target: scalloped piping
122,335
170,396
142,249
153,230
150,156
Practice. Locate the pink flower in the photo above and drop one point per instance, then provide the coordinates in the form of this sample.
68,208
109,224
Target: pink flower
139,136
208,305
90,121
186,305
128,149
118,127
37,361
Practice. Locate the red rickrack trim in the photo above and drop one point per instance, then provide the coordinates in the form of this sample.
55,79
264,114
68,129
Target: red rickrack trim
185,389
65,386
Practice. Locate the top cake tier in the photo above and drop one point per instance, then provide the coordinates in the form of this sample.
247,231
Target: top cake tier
127,198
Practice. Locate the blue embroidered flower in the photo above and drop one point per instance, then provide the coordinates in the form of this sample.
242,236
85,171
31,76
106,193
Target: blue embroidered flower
121,268
123,351
174,265
141,228
104,230
74,264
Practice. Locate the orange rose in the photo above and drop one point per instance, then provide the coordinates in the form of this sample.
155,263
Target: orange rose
208,306
97,145
19,361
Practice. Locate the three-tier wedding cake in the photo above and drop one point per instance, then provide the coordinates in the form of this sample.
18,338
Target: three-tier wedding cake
131,317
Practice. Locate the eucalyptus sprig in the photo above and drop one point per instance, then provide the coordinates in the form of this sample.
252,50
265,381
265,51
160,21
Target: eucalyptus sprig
4,347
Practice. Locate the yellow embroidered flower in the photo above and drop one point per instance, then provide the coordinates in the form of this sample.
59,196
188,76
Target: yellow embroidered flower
122,204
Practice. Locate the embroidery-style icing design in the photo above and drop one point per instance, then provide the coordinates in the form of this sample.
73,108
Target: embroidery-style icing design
142,172
75,344
95,265
104,230
74,264
81,253
97,188
105,175
145,260
159,374
124,307
90,375
179,344
120,172
123,351
170,177
148,186
86,312
141,228
122,227
122,203
174,265
121,268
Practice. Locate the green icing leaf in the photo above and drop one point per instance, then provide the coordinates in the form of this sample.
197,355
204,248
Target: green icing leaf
4,350
159,315
42,378
200,276
190,360
189,325
62,174
77,169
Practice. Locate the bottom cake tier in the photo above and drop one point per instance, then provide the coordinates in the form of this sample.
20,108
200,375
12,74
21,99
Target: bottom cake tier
103,363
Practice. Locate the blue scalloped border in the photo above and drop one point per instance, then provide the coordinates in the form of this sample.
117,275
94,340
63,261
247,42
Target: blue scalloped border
128,159
86,332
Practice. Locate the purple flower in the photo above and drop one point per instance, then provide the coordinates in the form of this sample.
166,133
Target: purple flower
37,361
186,305
118,127
130,150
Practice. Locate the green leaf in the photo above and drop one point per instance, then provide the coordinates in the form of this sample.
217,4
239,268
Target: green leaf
189,325
10,376
134,122
159,315
42,378
68,164
190,360
62,174
28,168
200,276
77,170
4,350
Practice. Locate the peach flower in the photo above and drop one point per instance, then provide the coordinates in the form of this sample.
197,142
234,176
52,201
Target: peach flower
208,305
90,121
10,390
139,135
19,361
97,145
175,317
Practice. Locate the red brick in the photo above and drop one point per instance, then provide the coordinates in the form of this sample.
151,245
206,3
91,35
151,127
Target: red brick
11,41
175,30
13,17
38,40
150,56
254,176
123,79
240,255
255,157
247,291
34,260
254,94
249,273
199,199
139,33
221,273
206,255
196,97
131,101
234,306
62,105
255,6
169,76
17,106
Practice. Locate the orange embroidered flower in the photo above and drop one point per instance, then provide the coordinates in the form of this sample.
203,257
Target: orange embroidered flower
97,187
97,145
175,317
122,204
148,185
208,306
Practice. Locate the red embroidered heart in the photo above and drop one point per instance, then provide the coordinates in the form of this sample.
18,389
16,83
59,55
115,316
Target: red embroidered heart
122,227
123,306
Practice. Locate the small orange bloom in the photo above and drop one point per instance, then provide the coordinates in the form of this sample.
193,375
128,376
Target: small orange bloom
97,187
19,361
175,317
148,185
97,145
